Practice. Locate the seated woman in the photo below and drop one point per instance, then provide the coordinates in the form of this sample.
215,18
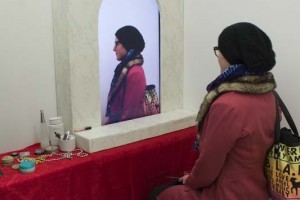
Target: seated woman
235,123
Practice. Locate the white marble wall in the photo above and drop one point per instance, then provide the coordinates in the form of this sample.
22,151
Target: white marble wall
77,64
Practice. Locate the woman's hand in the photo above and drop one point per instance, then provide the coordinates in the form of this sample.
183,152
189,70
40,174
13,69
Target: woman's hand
183,179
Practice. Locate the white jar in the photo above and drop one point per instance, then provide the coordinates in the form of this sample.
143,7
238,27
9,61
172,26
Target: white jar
56,125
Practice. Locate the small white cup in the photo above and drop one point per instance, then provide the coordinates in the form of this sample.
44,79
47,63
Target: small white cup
67,145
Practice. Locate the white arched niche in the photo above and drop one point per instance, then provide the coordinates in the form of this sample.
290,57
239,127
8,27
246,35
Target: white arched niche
77,62
114,14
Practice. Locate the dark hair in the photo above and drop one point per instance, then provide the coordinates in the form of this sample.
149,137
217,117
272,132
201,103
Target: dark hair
131,38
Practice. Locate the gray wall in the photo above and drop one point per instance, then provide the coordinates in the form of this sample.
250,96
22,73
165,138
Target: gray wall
27,82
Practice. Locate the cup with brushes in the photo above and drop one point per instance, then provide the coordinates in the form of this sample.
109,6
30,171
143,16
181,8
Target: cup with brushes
66,142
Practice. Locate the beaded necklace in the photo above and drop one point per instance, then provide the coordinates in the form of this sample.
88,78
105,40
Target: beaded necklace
53,156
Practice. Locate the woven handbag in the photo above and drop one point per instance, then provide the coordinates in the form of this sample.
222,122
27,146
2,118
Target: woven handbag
151,103
282,163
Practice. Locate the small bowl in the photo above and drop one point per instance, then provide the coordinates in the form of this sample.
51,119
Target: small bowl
7,160
27,167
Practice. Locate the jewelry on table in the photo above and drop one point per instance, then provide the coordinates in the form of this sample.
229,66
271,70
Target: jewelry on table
37,160
68,155
53,156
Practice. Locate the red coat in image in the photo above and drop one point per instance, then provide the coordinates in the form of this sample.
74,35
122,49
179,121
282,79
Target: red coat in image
237,132
128,102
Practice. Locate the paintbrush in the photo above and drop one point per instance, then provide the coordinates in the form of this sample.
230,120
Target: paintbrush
57,135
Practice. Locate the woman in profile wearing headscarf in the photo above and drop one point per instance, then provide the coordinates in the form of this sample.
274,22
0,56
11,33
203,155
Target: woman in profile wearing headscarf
126,96
236,123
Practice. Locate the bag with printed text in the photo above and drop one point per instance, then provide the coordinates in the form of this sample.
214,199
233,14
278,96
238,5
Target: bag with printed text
282,164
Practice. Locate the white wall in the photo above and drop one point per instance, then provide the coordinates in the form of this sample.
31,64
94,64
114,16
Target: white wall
27,82
205,19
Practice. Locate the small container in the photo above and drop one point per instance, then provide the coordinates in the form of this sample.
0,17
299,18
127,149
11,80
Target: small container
56,125
7,160
67,145
27,167
24,154
14,154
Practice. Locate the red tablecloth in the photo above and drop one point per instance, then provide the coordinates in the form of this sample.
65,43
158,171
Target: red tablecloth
128,172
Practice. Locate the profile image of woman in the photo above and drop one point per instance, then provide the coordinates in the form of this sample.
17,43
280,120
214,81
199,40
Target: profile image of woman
236,122
127,90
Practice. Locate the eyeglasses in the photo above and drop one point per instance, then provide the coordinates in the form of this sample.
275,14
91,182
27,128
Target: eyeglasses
117,43
217,51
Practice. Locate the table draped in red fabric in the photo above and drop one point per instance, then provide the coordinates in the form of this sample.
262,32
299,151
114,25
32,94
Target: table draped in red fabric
128,172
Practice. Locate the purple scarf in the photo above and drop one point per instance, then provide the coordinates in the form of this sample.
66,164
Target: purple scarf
231,73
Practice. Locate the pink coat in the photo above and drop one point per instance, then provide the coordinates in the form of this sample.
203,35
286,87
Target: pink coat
128,102
237,132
